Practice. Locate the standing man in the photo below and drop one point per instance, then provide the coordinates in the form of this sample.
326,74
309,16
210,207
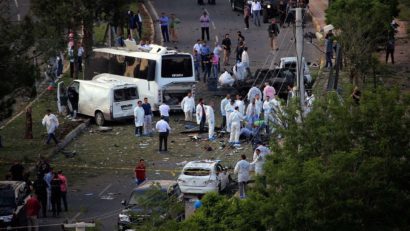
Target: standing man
80,53
140,171
242,168
224,102
229,108
210,117
63,189
188,106
235,118
245,61
164,111
40,189
329,49
164,20
390,49
226,45
56,195
139,117
48,177
240,104
163,129
205,20
201,115
246,15
51,123
268,91
147,117
256,8
273,31
258,161
32,211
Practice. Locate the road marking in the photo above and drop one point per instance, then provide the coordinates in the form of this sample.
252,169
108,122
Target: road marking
105,189
75,217
16,3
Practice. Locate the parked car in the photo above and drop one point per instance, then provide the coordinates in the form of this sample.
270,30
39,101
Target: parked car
13,197
138,208
268,8
200,177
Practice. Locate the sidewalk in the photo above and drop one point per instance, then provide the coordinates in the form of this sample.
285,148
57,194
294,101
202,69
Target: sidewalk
317,11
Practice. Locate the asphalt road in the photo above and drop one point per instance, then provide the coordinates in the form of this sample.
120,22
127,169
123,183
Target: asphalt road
98,198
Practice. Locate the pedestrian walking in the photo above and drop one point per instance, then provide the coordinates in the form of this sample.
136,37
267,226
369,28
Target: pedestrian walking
268,91
164,22
140,172
390,49
229,109
210,118
273,31
71,58
201,115
51,123
173,28
139,117
235,119
40,189
329,49
242,168
63,189
147,117
80,54
226,45
224,102
17,171
188,106
246,15
55,195
256,9
163,129
32,212
204,20
164,111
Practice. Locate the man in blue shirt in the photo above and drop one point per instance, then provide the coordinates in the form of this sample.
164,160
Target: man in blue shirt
147,118
164,21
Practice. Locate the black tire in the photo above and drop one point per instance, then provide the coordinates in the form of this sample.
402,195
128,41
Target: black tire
99,118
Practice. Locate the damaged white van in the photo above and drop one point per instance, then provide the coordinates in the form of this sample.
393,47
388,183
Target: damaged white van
161,74
104,98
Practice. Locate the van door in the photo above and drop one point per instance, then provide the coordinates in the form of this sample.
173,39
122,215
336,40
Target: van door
124,102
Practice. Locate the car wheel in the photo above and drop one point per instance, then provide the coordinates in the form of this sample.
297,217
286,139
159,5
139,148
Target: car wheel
99,118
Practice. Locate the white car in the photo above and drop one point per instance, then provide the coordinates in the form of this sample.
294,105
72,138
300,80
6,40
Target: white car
290,63
200,177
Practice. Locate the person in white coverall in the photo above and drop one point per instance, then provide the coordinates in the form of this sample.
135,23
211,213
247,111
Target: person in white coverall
210,118
139,115
225,101
252,93
188,106
242,168
258,161
240,104
235,119
228,110
266,112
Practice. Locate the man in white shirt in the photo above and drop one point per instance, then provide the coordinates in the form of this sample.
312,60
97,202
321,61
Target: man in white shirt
229,108
255,10
163,129
224,102
51,123
139,115
201,115
197,46
235,119
240,104
164,111
242,168
188,105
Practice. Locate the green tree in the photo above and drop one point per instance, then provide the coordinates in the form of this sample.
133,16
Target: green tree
363,27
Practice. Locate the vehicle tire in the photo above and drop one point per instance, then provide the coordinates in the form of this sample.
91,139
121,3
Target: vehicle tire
233,5
99,118
265,15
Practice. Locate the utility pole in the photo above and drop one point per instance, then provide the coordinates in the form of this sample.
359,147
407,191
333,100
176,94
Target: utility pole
299,57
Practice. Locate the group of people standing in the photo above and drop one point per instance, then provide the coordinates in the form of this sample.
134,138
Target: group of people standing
169,26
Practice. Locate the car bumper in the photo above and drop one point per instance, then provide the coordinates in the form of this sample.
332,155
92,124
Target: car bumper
197,190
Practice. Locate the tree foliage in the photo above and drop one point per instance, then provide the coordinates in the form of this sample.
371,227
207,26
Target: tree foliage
346,167
363,28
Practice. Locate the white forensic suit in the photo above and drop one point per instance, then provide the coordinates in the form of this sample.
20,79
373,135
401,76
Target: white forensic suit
258,162
210,118
241,106
235,119
228,110
188,105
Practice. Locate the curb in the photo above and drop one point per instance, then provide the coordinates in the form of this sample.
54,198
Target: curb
156,37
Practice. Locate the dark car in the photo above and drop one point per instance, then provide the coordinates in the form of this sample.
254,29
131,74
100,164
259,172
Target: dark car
13,197
146,199
268,8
